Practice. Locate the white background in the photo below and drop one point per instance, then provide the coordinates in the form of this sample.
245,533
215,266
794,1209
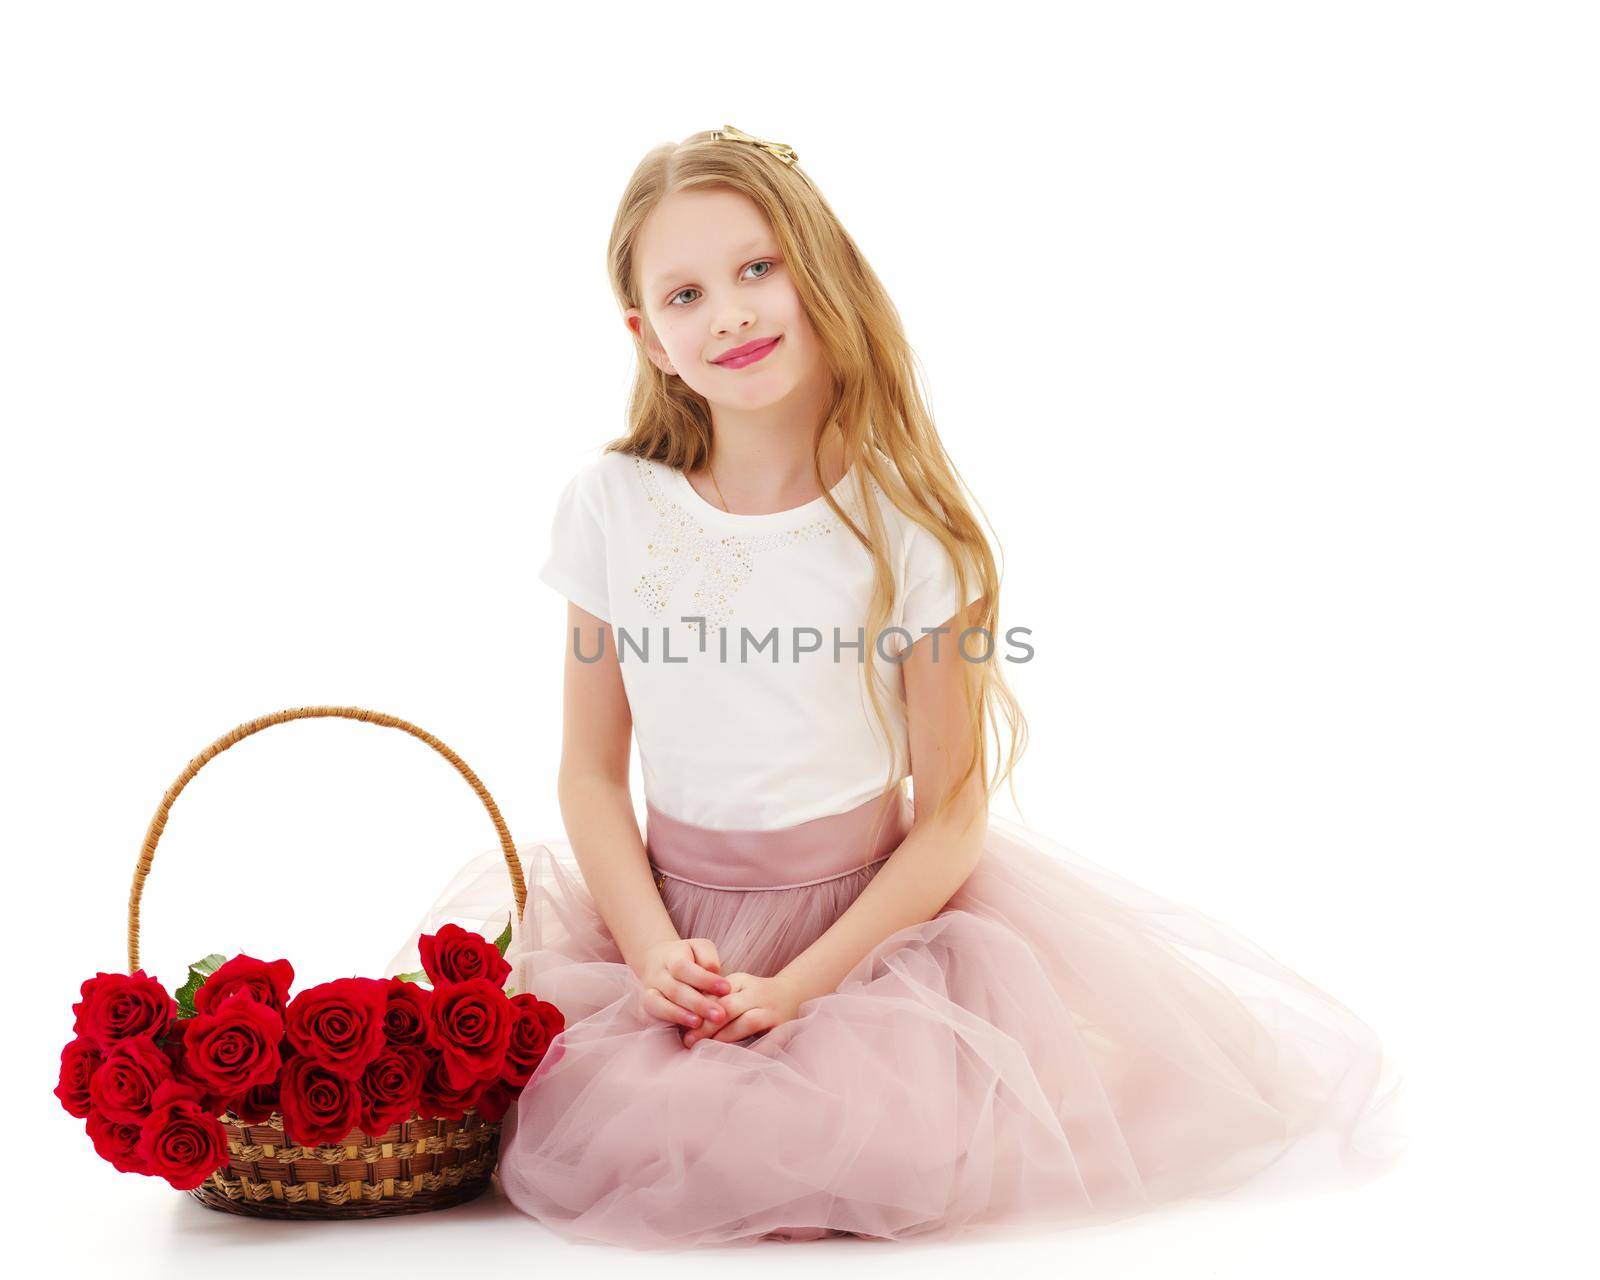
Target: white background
1264,334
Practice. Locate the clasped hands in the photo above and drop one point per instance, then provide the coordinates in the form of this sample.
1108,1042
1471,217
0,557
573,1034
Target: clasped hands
684,984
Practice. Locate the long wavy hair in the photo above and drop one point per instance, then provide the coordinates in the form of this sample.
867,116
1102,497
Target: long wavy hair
877,407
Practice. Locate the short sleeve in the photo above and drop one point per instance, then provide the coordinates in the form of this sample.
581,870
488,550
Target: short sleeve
930,598
576,565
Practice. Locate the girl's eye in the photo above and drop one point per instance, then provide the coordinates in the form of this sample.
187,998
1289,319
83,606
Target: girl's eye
768,263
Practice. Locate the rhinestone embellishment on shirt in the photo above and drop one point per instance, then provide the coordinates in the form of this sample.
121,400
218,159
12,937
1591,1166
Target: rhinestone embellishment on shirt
680,545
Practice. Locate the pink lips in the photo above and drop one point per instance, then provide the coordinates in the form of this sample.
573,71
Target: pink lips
749,353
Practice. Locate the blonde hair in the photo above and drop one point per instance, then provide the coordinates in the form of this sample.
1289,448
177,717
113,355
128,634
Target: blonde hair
877,406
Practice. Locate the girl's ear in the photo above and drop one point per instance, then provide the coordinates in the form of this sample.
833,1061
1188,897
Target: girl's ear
639,327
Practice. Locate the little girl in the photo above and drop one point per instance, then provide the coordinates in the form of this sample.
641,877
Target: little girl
803,1003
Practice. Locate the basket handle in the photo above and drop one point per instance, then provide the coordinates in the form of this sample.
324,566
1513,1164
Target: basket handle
159,822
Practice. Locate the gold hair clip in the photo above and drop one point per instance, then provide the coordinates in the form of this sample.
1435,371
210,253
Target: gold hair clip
782,150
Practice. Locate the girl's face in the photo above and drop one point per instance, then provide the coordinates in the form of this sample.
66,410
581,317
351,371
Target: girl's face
711,281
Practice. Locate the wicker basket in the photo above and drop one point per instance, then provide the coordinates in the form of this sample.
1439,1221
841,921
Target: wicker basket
415,1166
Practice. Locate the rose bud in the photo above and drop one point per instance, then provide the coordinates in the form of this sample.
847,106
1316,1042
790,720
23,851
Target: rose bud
124,1087
256,1106
471,1026
389,1089
339,1024
405,1016
443,1100
496,1100
267,980
117,1142
181,1142
319,1106
119,1006
455,954
80,1059
235,1048
530,1037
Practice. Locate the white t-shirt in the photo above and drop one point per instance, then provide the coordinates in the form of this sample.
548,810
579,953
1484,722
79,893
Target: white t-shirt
755,727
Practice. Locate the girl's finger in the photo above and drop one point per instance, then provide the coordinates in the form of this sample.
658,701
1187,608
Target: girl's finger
732,1009
747,1023
660,1007
695,1001
699,976
705,951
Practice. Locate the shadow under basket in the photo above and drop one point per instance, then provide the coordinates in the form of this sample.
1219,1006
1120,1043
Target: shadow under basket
414,1167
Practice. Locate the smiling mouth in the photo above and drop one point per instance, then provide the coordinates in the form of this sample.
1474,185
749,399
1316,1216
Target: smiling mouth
749,356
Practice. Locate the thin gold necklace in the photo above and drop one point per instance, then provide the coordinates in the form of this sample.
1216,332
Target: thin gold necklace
713,476
717,486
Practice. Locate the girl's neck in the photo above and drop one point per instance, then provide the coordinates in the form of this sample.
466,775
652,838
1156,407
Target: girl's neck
760,468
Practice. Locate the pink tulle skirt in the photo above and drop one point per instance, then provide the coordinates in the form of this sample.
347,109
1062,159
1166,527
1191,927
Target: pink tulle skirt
1056,1046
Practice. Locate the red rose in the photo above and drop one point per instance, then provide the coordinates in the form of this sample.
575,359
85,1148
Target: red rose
441,1099
235,1048
80,1059
256,1106
405,1016
455,954
124,1087
496,1100
176,1047
319,1106
267,980
181,1142
119,1006
116,1142
530,1037
471,1026
339,1024
389,1089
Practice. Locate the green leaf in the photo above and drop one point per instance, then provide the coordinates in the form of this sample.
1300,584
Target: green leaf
199,971
504,940
421,975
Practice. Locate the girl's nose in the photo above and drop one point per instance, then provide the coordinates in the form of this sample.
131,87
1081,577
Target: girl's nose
732,322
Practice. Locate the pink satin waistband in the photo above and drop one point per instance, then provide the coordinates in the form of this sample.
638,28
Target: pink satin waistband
787,858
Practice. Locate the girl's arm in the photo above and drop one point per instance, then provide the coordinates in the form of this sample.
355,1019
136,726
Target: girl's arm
596,804
936,858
